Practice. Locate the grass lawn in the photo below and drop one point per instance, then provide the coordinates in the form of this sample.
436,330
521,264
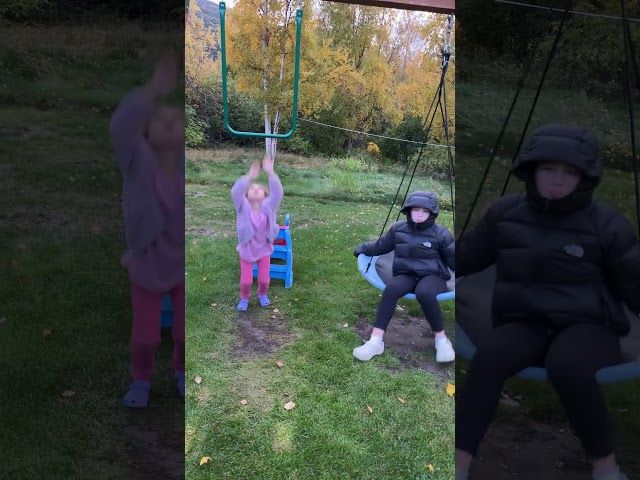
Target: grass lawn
480,113
64,300
312,328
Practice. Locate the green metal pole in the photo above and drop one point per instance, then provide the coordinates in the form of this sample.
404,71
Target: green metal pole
296,76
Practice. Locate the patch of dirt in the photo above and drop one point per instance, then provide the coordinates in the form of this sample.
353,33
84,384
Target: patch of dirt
202,231
261,336
37,216
156,453
48,218
525,449
155,436
24,131
410,339
197,194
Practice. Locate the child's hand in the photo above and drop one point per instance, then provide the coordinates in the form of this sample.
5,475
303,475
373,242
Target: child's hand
165,75
267,164
254,171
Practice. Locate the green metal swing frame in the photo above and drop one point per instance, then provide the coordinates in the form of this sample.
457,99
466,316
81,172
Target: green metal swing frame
296,76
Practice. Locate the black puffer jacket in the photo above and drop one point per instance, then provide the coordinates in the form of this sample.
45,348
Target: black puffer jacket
563,261
419,249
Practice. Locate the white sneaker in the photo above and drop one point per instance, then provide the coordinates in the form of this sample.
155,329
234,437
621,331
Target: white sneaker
369,350
444,351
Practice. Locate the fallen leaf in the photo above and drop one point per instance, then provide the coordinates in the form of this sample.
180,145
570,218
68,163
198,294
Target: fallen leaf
289,406
346,325
46,332
431,469
204,279
275,310
68,393
204,460
370,409
295,299
509,402
506,400
401,400
280,364
198,380
451,389
243,402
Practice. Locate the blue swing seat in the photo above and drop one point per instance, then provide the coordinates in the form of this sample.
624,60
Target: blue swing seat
379,273
473,320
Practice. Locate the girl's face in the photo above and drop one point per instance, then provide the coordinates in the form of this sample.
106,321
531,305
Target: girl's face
256,193
166,128
419,215
556,180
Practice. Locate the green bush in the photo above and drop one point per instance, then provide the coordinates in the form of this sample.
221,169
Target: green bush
296,144
194,128
354,164
21,9
345,181
434,162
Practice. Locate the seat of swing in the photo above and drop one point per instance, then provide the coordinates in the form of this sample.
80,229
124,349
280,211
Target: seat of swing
473,321
380,273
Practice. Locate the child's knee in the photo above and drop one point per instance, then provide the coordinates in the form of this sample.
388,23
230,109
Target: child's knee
568,371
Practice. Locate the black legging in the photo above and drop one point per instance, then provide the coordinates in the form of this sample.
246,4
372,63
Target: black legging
571,357
425,288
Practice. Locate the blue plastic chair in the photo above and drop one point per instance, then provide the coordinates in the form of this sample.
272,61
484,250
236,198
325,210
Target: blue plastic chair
282,250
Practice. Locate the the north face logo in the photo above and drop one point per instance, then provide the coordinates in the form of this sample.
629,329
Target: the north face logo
574,250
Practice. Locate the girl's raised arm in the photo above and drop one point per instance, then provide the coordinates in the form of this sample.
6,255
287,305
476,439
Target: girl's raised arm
131,117
276,192
239,189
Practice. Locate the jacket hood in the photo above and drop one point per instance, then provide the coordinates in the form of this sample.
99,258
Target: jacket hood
426,200
568,144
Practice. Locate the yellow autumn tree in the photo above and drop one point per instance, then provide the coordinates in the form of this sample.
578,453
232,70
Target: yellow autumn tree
365,93
420,71
199,43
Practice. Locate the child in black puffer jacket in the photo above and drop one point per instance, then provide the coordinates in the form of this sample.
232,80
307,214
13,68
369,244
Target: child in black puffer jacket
565,265
423,253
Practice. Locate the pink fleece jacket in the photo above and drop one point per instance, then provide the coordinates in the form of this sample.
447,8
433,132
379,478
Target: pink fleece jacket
256,241
152,201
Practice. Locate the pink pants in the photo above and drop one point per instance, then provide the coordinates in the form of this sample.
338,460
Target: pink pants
246,277
145,331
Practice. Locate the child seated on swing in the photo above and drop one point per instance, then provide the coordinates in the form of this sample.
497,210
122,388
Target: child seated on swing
422,250
565,265
256,209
